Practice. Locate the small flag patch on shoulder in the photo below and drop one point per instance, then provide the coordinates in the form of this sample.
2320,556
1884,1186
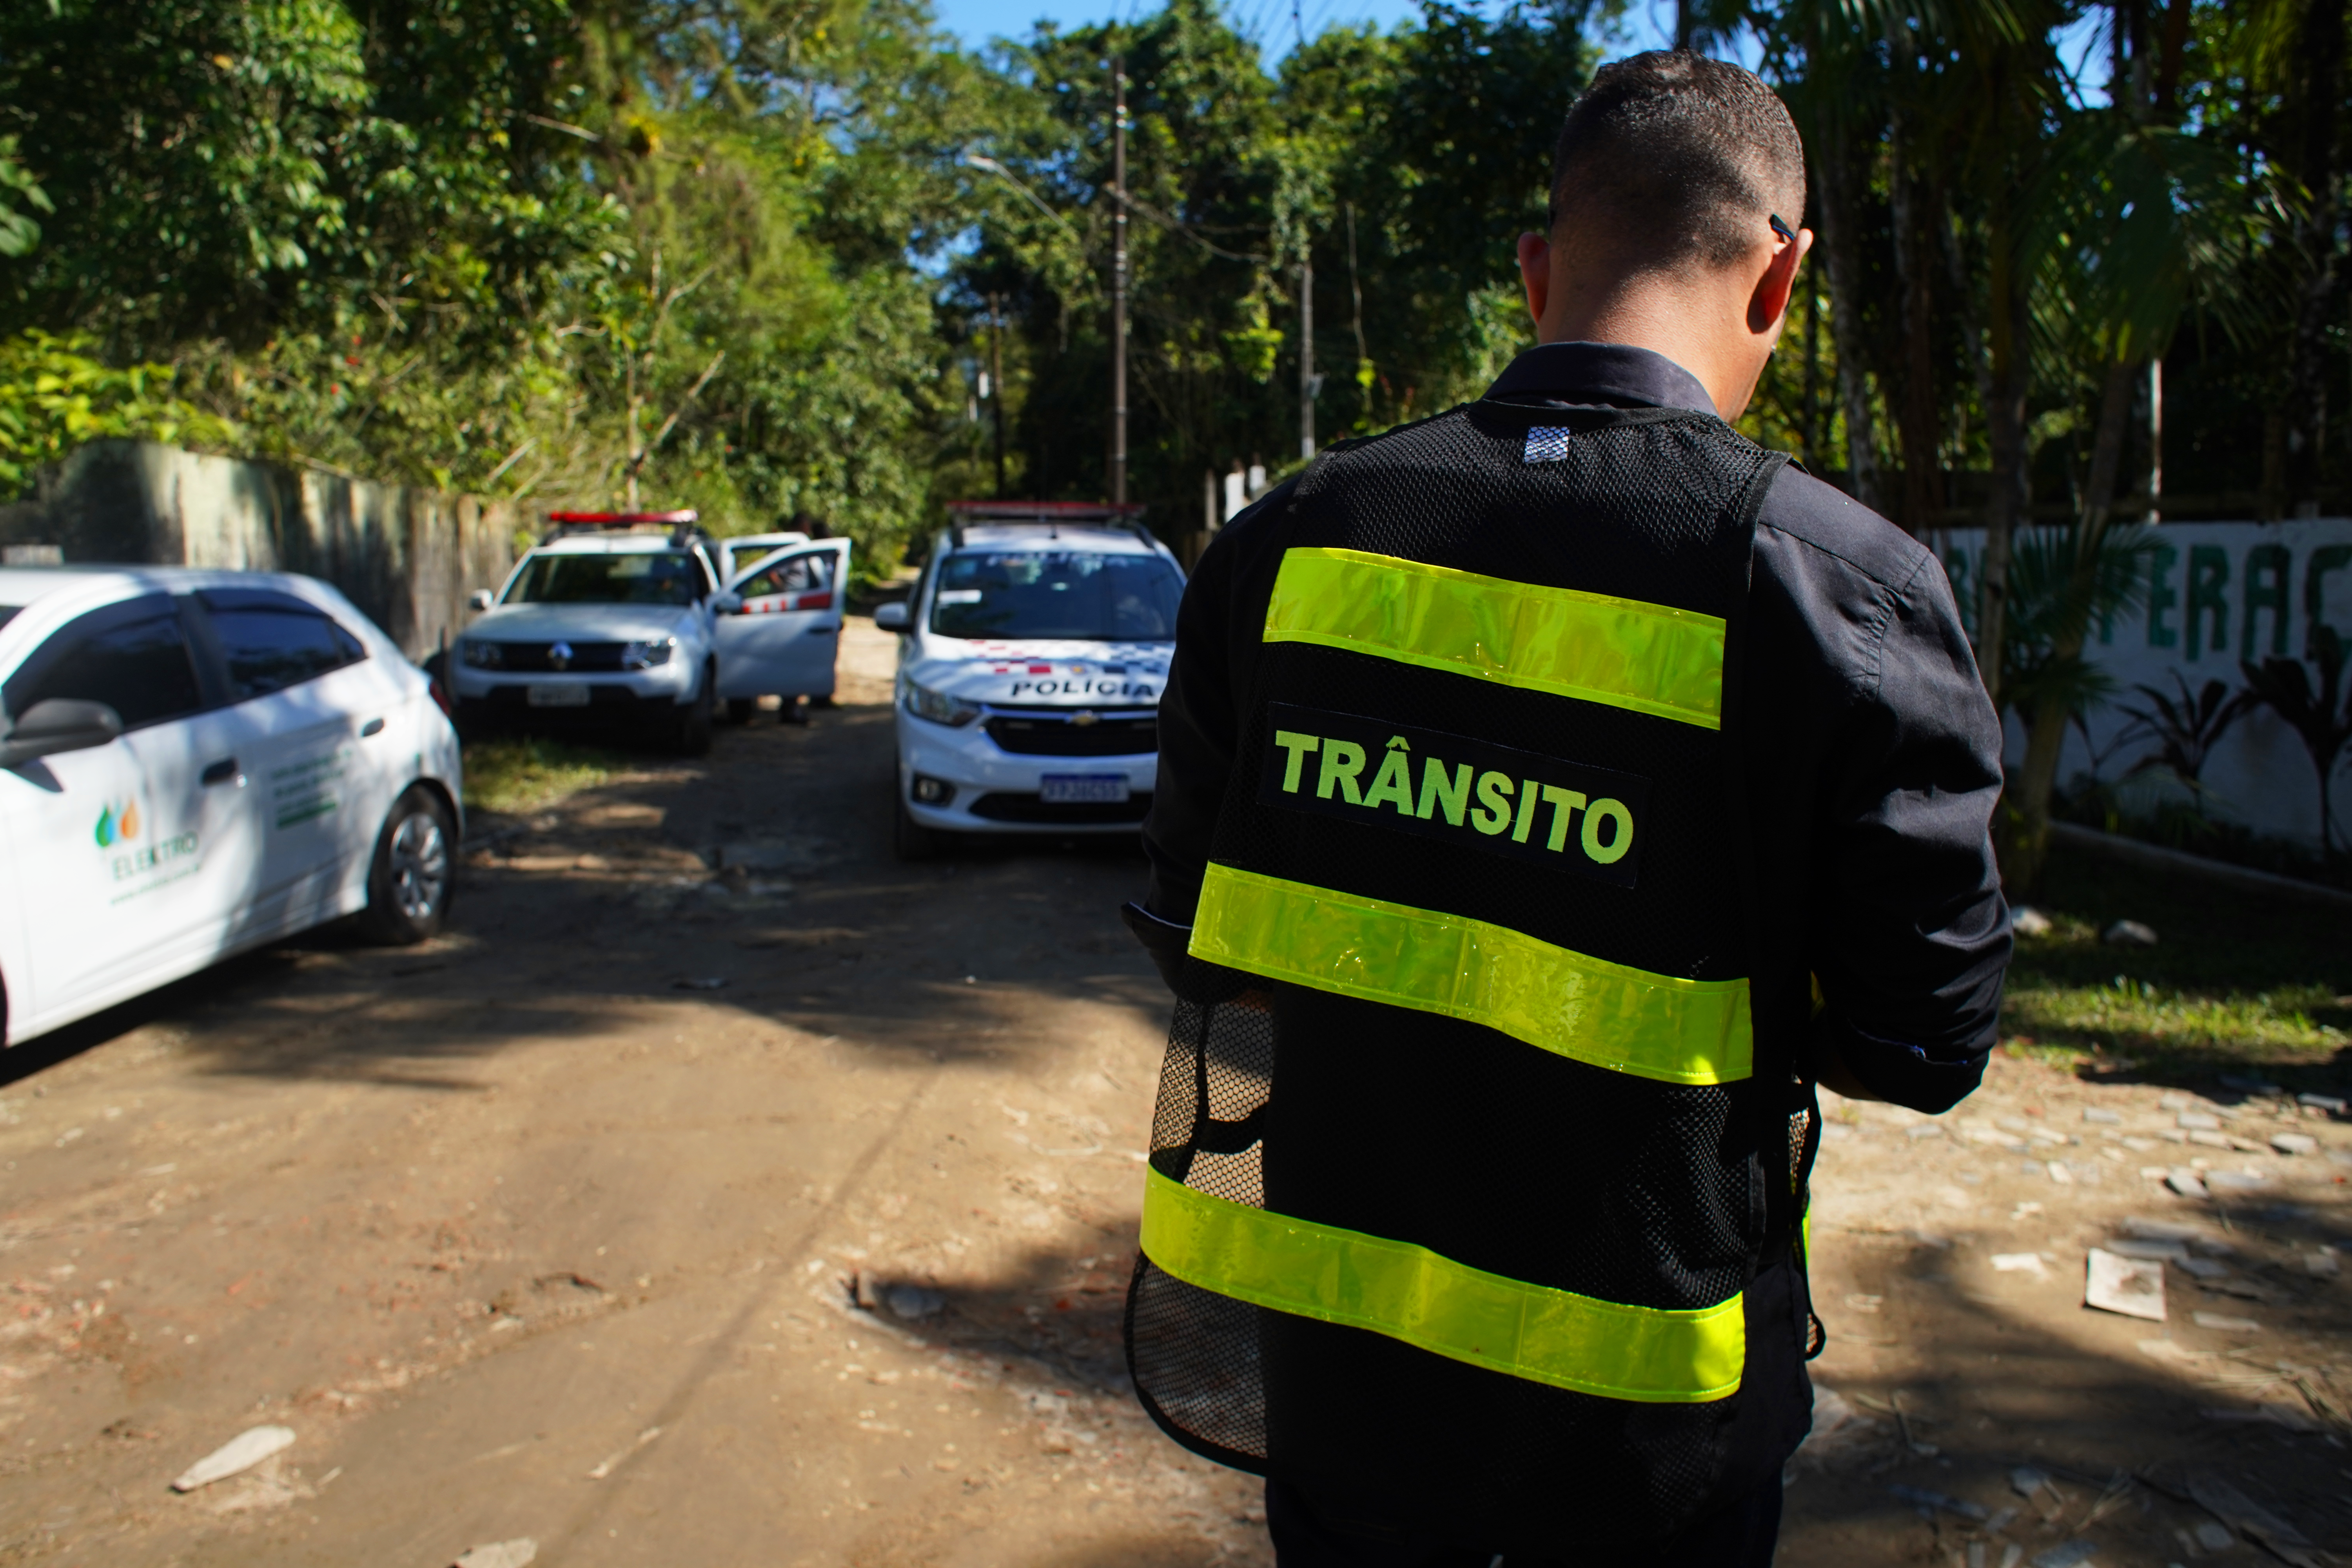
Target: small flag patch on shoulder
1548,444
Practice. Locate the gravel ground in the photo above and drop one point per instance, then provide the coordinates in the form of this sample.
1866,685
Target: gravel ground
536,1232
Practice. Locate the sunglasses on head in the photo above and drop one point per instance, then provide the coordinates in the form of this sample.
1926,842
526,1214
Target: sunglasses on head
1783,230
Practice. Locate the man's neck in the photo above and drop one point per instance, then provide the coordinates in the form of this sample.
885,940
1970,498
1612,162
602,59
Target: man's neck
1656,313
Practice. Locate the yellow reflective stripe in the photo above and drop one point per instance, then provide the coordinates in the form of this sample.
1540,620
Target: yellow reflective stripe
1609,1014
1653,1355
1649,658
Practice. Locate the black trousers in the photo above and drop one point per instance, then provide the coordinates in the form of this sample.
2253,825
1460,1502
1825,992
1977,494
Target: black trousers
1741,1536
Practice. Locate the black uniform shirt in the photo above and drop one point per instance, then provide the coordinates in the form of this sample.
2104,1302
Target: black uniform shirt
1872,753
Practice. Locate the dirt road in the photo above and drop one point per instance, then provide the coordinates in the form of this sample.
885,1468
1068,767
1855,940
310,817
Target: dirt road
556,1229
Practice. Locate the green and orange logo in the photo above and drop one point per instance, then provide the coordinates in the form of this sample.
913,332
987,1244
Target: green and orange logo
118,824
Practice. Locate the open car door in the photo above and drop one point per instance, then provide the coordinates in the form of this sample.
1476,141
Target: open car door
782,642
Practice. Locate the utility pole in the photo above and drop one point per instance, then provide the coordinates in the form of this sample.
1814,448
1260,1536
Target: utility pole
997,382
1306,377
1118,282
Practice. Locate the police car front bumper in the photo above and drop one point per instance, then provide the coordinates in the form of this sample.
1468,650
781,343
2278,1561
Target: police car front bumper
960,780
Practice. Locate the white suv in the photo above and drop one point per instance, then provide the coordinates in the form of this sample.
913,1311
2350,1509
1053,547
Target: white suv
620,621
1031,662
605,626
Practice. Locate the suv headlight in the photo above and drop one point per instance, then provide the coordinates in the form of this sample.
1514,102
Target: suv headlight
939,707
647,655
482,655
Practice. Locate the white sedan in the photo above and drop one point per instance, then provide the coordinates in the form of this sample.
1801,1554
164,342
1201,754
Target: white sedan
1031,660
195,764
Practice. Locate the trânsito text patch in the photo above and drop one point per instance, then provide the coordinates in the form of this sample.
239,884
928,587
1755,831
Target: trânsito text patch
1467,792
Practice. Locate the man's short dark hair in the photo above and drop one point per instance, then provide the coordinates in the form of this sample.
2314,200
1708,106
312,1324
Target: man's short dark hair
1670,157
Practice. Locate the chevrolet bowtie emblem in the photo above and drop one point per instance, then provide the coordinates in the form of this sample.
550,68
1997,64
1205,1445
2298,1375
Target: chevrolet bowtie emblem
1083,717
559,656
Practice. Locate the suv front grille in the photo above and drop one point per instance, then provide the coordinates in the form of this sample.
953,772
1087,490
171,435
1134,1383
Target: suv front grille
596,656
1051,734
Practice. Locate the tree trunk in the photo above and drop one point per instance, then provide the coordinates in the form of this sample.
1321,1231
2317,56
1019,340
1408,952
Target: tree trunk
2167,65
2322,50
2012,358
2037,780
1917,418
1833,179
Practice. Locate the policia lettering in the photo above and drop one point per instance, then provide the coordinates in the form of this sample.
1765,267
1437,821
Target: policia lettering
1491,798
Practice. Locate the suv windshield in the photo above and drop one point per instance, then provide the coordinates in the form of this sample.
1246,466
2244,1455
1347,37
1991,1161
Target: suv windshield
668,577
1080,595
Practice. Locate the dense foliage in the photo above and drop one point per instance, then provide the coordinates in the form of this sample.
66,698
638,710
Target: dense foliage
811,258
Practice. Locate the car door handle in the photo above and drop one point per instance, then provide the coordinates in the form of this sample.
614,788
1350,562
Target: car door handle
372,727
221,772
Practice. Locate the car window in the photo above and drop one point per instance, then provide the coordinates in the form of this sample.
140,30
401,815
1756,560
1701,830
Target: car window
133,656
8,613
800,574
271,641
1064,594
671,577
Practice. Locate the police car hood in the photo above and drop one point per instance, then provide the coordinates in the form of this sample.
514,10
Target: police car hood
1046,674
580,623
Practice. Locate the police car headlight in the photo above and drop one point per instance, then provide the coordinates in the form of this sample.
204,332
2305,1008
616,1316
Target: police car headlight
939,707
483,655
647,655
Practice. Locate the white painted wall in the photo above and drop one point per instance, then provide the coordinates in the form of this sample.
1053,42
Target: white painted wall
2215,597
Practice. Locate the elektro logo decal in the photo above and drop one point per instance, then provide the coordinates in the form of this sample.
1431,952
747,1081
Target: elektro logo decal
118,824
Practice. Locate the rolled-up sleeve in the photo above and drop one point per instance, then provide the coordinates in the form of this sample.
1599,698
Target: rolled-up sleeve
1911,936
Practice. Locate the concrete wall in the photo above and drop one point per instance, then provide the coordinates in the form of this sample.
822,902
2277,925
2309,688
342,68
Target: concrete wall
407,557
2217,593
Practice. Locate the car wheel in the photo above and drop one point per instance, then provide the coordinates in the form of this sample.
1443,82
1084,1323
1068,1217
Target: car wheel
913,841
741,709
409,882
694,720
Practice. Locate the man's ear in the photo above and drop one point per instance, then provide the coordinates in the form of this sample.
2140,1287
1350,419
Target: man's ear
1769,301
1535,273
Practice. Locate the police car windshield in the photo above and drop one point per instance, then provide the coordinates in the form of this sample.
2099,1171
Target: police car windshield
1079,595
669,577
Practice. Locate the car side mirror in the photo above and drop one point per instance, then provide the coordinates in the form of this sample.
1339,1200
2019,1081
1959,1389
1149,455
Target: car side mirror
727,603
892,617
59,724
479,599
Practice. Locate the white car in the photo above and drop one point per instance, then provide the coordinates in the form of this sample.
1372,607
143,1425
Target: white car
1030,668
621,622
198,763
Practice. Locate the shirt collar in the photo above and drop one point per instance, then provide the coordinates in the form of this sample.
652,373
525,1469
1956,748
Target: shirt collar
1601,373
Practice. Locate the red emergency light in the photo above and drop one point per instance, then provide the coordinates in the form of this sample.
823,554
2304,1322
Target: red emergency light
624,519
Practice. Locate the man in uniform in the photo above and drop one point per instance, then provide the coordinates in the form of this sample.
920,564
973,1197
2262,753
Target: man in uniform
1550,792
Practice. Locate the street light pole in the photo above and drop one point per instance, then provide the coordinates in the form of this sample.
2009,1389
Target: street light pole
1306,377
1118,282
997,382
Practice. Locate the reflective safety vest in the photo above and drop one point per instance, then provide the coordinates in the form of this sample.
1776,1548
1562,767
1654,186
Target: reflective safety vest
1464,1199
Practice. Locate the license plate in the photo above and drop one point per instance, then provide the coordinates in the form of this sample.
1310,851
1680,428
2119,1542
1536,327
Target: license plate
1071,789
553,696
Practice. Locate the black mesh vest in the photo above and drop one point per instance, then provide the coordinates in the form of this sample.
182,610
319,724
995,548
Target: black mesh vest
1471,1142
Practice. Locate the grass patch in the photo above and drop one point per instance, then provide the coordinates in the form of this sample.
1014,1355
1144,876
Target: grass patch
526,774
2236,980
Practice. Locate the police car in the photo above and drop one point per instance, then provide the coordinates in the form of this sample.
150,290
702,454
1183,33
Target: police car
197,763
622,622
1033,654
